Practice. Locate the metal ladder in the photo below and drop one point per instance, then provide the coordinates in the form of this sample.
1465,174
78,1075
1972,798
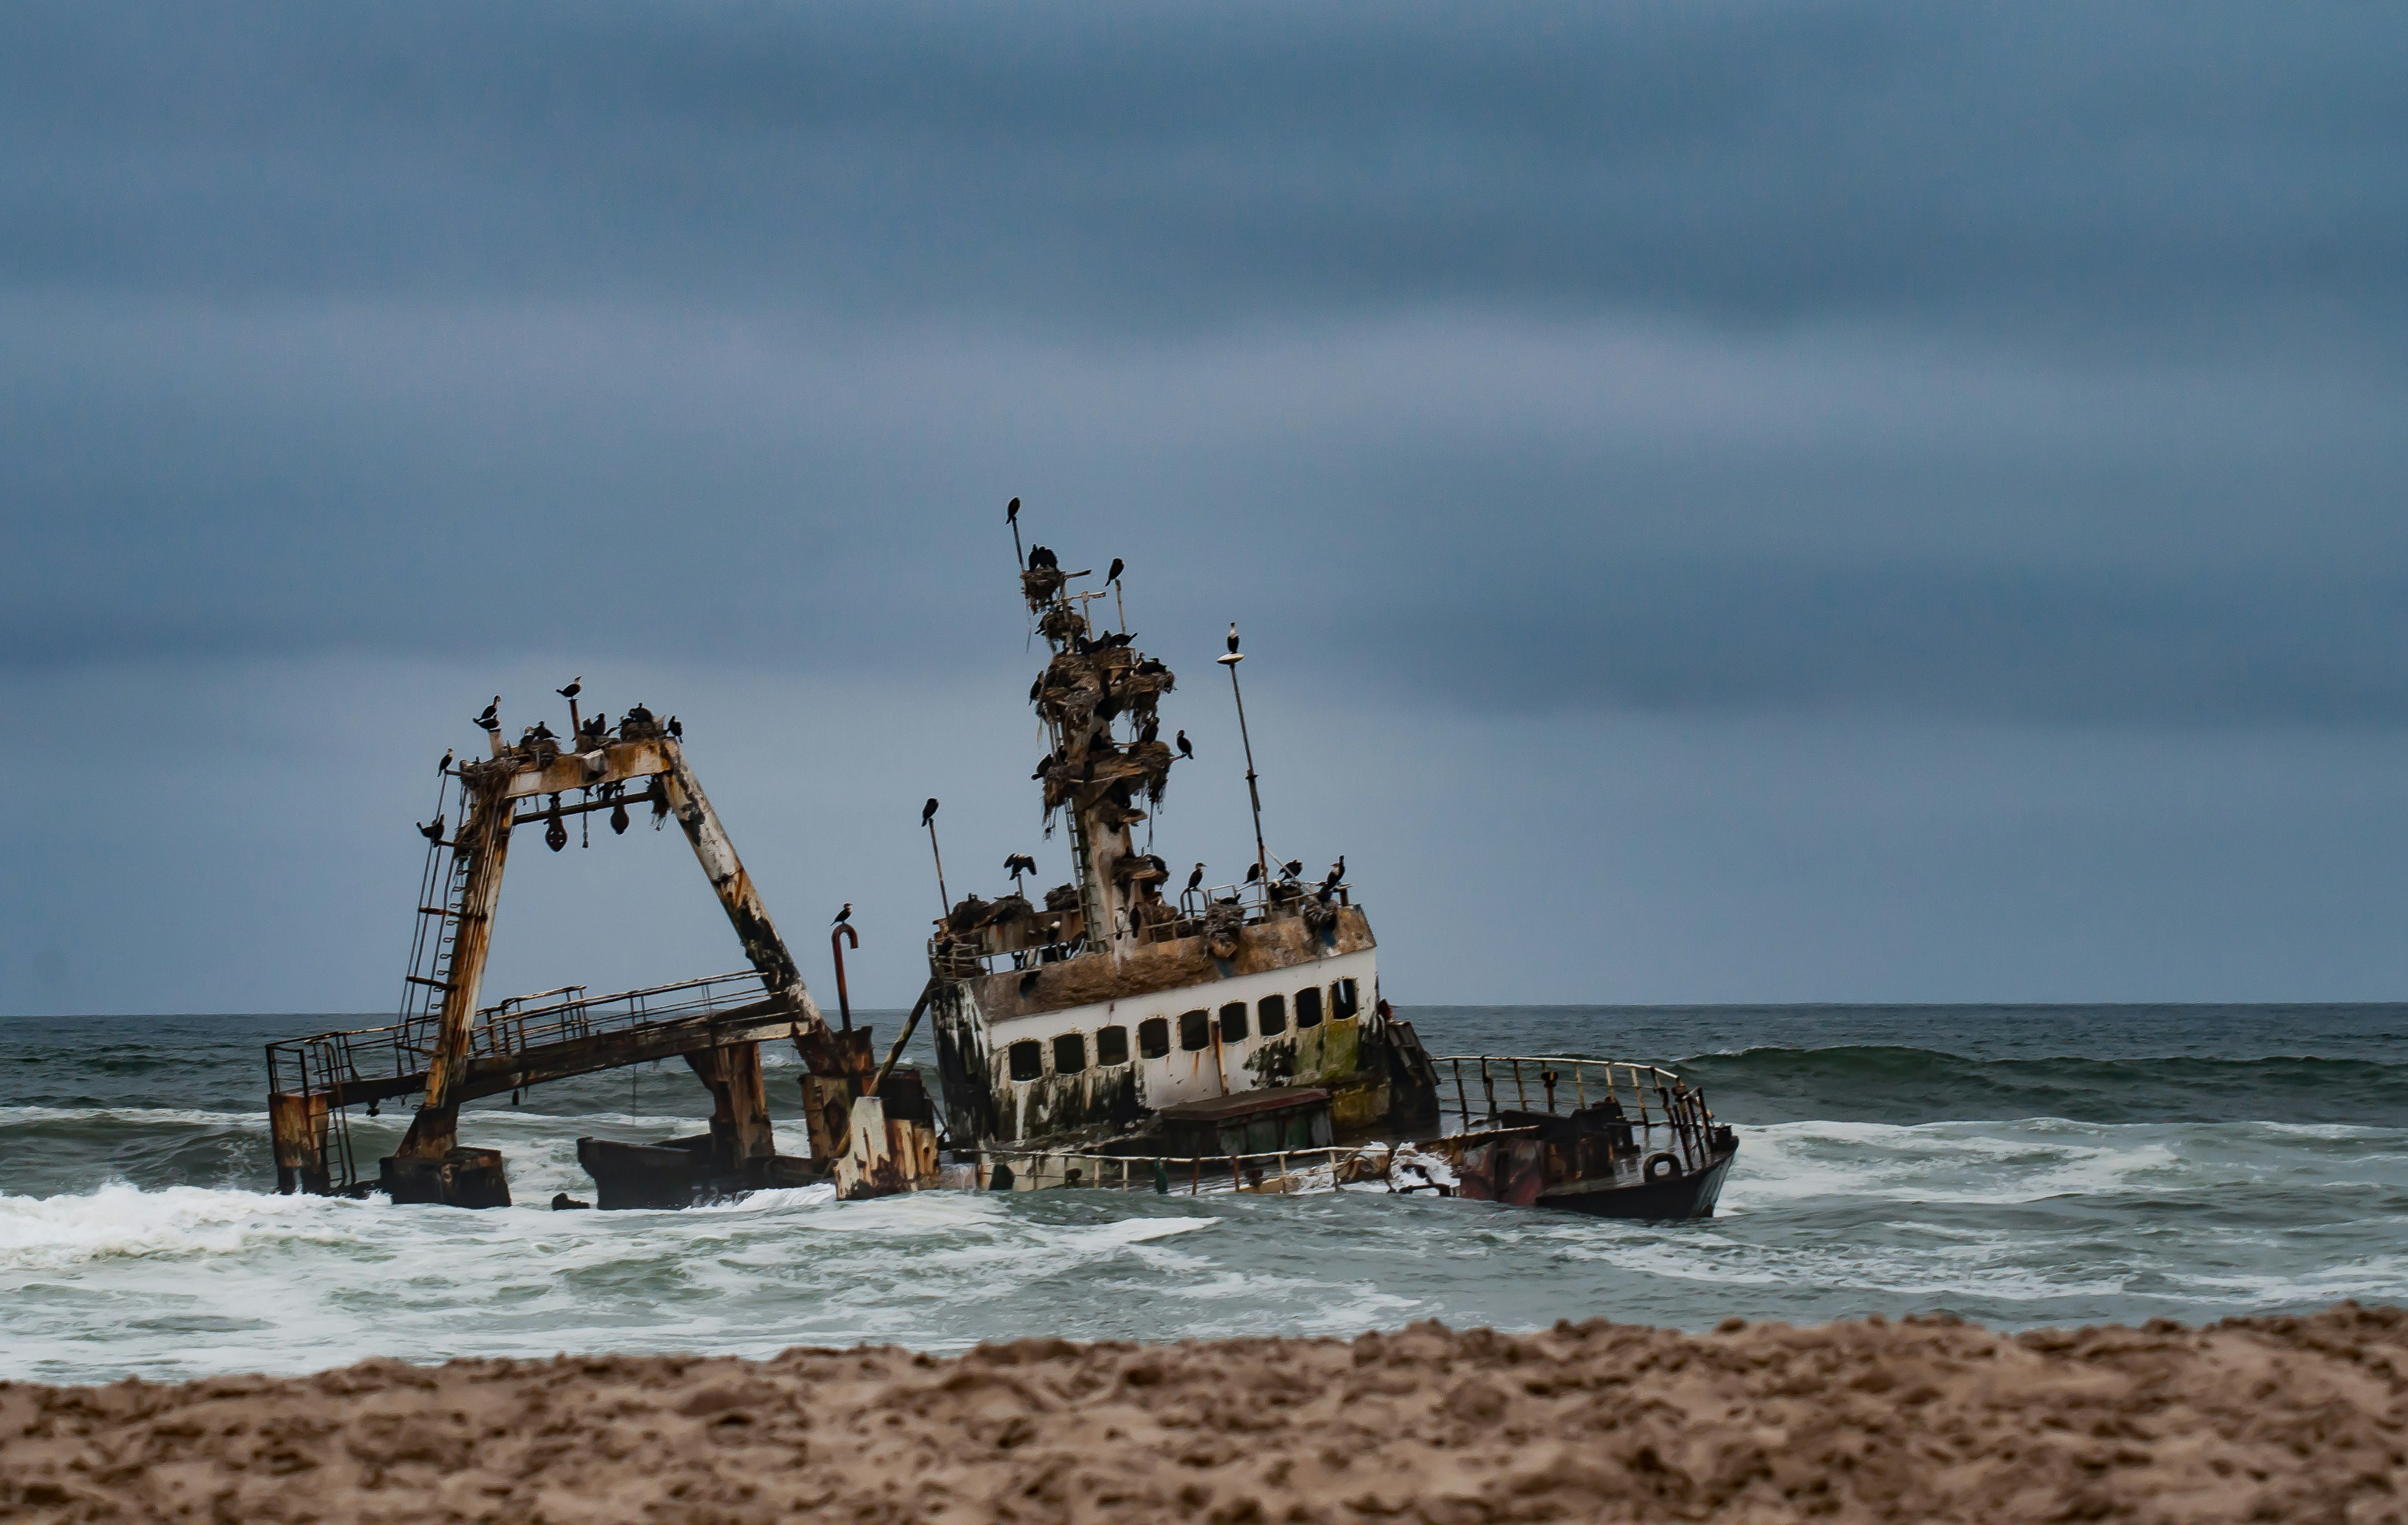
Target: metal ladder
435,933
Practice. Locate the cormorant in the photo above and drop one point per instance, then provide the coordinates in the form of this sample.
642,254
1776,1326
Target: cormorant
1018,864
844,915
434,831
1042,764
1291,868
675,730
1151,731
1011,511
490,720
576,687
445,766
1196,878
1233,635
1042,556
929,811
1186,748
1036,688
1114,575
1254,871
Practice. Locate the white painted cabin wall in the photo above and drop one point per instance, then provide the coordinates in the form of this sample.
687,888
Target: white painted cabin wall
1181,1075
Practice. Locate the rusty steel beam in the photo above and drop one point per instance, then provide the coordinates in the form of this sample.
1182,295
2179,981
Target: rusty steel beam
613,762
754,931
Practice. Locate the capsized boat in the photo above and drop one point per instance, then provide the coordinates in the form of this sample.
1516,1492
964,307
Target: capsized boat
1124,1034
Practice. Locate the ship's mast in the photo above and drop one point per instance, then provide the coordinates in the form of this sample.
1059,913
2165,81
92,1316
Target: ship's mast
1093,687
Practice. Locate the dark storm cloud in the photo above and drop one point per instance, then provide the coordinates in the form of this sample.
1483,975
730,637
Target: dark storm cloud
1153,166
2025,360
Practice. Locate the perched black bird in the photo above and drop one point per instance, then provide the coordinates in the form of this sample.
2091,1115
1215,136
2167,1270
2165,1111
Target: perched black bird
844,915
1011,511
1291,868
1036,688
1186,748
1018,864
1042,764
445,766
541,732
929,811
433,830
1042,556
1227,900
1233,635
1196,878
1151,731
576,687
1254,871
675,730
491,720
1114,575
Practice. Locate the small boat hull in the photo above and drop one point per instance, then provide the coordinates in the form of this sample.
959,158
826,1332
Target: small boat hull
1691,1196
1595,1162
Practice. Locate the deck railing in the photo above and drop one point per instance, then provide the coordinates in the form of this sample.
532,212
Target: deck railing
957,954
1271,1173
366,1055
1559,1085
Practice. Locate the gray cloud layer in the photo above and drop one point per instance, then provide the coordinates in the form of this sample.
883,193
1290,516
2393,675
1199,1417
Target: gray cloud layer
2019,360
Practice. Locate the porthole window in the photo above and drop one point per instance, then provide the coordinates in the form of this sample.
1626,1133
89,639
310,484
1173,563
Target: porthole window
1308,1007
1153,1037
1069,1053
1195,1031
1112,1045
1027,1060
1270,1016
1233,1022
1343,1000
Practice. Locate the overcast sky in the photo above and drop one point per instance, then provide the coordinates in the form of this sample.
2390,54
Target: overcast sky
1782,502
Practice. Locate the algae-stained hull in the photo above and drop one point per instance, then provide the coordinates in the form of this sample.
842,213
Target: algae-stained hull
1097,1043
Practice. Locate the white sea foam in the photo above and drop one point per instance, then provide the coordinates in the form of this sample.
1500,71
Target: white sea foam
2015,1222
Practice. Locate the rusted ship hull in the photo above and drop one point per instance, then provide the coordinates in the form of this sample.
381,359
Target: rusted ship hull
1688,1197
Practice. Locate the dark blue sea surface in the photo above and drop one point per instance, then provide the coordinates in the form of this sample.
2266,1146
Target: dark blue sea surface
2015,1165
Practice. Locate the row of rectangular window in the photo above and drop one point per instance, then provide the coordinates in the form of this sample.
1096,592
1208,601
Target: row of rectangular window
1195,1031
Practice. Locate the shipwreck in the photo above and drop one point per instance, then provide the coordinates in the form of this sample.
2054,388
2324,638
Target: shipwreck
1123,1031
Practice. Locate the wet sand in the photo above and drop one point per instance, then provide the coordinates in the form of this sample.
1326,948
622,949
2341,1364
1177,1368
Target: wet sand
2290,1419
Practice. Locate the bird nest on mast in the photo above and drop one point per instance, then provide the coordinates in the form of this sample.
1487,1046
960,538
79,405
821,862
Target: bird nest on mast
1039,586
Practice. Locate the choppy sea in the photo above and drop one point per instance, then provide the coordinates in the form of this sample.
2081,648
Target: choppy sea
2015,1165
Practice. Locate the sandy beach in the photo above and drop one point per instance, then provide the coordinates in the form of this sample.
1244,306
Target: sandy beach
2278,1418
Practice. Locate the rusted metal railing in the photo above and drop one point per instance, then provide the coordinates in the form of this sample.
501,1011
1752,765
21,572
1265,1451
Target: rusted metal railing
958,954
1271,1173
1647,1094
303,1066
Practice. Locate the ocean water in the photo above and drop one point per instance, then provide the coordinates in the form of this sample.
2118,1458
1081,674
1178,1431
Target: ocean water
2015,1165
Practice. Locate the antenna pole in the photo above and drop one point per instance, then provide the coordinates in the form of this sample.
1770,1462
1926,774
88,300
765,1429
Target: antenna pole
947,900
1262,859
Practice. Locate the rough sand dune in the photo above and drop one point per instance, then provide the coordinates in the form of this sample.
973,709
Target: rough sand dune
2291,1420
